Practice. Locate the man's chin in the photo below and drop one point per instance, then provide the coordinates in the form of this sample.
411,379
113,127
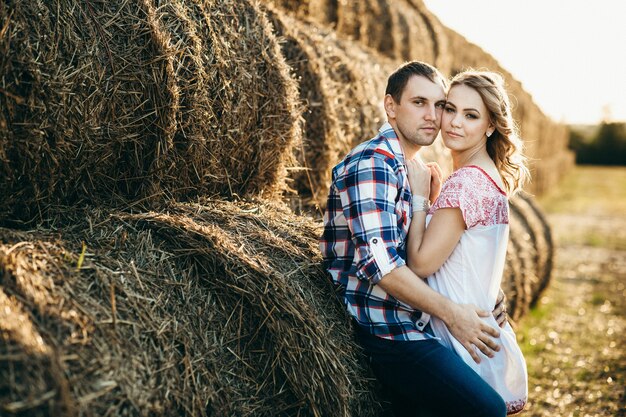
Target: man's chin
425,140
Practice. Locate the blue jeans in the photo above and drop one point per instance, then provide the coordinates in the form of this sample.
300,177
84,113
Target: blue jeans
424,378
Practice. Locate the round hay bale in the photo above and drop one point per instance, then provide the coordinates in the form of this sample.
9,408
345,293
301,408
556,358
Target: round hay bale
342,92
437,33
342,95
414,31
539,231
375,21
348,19
118,102
512,281
523,265
218,309
542,234
323,136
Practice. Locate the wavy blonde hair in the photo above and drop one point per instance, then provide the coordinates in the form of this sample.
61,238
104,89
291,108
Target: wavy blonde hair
504,146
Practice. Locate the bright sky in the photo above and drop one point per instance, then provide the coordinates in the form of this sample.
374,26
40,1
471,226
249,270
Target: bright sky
569,54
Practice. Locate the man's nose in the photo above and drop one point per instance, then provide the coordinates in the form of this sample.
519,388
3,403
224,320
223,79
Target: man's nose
431,113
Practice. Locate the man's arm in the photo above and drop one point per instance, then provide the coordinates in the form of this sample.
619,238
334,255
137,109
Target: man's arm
499,312
463,320
368,191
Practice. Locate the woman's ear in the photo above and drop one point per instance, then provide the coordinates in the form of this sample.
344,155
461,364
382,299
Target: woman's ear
390,106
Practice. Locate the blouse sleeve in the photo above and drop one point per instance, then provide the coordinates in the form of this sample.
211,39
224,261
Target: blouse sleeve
458,192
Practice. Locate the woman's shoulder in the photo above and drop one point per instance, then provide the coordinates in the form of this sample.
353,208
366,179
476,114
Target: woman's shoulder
477,179
480,199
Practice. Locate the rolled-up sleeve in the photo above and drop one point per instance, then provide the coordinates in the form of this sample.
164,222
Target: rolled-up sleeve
368,192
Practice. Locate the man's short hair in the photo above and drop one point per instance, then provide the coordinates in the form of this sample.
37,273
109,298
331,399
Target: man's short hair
398,80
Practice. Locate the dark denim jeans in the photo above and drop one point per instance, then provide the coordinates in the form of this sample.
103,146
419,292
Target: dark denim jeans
424,378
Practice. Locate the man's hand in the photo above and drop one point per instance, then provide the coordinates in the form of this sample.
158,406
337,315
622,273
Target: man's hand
499,312
467,327
436,179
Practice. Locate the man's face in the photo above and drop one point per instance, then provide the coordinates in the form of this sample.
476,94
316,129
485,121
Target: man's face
417,118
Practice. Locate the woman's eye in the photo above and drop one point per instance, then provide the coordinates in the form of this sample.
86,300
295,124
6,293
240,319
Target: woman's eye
448,109
471,116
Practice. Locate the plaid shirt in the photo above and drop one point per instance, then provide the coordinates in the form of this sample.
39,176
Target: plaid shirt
365,228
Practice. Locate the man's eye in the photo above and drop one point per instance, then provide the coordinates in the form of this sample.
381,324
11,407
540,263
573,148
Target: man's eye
440,105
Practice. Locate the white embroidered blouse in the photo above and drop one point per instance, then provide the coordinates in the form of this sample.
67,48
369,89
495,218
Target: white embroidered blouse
473,274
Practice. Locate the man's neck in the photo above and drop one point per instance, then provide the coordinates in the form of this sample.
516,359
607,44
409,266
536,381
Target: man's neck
409,150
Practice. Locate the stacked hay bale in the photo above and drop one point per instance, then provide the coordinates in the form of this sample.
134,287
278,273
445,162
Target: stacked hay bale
338,91
389,27
211,308
116,102
341,86
411,31
217,309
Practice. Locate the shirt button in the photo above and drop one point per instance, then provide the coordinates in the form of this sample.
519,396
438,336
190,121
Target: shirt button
374,241
421,323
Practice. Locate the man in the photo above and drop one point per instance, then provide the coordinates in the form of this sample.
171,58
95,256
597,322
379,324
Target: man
367,218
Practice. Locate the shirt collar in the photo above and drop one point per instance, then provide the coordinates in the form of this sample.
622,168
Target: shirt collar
386,130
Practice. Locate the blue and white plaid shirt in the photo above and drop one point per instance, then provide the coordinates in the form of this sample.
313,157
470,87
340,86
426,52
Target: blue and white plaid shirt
365,228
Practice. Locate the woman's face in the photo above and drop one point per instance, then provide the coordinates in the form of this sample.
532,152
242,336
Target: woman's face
465,120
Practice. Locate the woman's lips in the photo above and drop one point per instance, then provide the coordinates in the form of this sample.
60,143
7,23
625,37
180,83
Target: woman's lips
453,134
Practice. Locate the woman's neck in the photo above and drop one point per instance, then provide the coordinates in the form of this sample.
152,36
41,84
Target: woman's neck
470,157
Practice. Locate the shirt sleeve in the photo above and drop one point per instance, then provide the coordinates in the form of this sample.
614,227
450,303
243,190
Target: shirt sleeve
458,192
368,193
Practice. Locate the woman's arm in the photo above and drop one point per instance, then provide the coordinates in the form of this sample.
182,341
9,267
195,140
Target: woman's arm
428,250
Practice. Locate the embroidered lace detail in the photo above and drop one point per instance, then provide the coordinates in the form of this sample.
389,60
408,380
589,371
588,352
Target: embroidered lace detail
514,407
481,201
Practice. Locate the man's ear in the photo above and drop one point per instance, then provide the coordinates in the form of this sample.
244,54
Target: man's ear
390,106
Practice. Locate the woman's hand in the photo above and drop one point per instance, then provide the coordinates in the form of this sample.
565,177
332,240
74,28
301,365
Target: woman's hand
436,179
419,175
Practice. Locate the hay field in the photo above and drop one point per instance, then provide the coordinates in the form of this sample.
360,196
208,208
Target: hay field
155,161
574,339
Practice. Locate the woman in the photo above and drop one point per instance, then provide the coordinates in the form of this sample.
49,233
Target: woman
463,249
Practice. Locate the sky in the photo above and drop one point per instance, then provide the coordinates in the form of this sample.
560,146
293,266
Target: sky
570,55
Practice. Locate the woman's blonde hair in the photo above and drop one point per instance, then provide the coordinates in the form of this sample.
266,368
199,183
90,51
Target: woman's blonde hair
504,145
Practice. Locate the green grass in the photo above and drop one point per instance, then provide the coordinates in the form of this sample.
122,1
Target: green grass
588,207
597,299
589,190
529,342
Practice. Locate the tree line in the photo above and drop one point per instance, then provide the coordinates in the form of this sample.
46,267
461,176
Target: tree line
604,145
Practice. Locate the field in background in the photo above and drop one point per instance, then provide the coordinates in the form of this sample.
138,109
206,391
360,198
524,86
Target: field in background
573,340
